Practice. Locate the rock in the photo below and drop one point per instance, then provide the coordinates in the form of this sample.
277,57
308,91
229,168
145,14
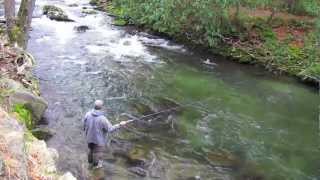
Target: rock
209,63
139,171
73,5
54,154
82,28
137,157
40,153
88,11
2,167
55,13
42,133
35,104
67,176
10,85
126,43
12,143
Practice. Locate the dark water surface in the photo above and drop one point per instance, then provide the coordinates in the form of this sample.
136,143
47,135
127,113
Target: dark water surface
237,122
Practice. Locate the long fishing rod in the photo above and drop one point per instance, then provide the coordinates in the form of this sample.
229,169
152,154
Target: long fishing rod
133,118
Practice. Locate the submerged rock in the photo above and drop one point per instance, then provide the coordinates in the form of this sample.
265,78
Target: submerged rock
55,13
82,28
138,171
88,11
73,5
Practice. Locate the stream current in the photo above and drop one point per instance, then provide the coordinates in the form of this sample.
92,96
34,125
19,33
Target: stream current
237,121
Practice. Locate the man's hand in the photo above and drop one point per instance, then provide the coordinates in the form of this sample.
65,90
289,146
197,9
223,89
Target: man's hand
123,123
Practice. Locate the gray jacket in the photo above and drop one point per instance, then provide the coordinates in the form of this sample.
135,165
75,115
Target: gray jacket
96,127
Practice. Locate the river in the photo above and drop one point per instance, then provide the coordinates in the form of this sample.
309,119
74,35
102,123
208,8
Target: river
234,122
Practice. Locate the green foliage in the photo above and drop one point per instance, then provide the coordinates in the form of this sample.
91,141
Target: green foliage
16,34
24,115
208,22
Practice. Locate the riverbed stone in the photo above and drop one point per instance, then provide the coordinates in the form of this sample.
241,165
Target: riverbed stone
55,13
138,171
35,104
73,5
81,28
89,11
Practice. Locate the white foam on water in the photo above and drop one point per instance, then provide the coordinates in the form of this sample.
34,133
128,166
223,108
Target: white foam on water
161,43
43,39
130,46
63,31
95,49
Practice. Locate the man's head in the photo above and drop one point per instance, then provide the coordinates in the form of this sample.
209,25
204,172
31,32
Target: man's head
98,104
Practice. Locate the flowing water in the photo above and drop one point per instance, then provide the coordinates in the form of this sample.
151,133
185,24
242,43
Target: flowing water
235,121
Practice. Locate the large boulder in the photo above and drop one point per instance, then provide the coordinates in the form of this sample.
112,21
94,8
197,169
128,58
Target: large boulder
35,104
55,13
12,146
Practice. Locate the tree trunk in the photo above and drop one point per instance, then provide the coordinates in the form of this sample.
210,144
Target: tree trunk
30,12
9,13
18,27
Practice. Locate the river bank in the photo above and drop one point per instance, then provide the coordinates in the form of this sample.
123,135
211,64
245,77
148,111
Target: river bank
23,155
285,44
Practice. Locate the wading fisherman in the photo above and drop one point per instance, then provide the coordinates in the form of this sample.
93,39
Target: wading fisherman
96,127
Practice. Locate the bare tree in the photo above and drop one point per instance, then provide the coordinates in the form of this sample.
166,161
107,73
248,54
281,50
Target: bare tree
18,26
9,10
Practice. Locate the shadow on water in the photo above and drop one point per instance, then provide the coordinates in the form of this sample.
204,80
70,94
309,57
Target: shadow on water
234,122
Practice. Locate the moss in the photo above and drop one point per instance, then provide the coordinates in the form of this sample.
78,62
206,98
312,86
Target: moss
120,22
16,34
28,136
24,114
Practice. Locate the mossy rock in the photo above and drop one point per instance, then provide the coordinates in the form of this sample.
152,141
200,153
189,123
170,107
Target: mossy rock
55,13
35,104
42,133
137,157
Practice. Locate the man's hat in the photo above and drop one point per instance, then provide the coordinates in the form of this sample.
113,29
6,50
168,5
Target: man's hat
98,104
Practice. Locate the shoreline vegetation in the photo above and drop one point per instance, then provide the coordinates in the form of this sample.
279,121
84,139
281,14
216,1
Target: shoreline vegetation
23,152
282,36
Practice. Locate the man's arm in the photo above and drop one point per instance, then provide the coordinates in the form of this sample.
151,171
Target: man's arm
84,121
108,127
